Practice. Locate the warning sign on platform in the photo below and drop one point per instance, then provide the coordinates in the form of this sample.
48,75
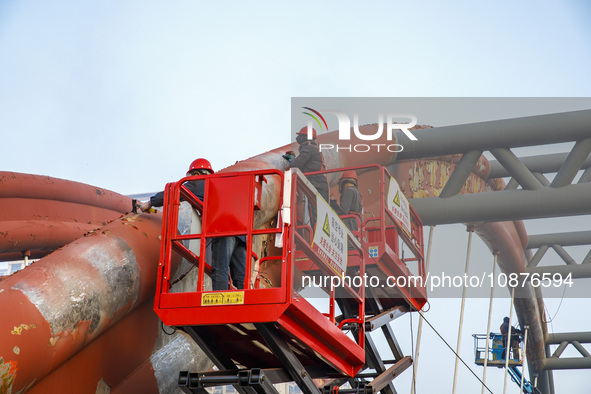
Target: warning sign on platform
225,298
330,237
398,205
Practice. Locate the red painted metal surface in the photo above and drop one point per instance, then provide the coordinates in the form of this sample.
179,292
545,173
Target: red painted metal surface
383,233
46,213
111,359
41,214
26,320
17,185
228,209
59,305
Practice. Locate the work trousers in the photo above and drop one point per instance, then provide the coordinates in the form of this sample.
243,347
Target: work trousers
228,254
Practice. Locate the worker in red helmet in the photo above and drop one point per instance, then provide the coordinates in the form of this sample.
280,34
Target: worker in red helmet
198,167
350,201
310,159
228,253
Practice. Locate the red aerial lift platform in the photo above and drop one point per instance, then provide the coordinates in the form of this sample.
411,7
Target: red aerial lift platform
268,332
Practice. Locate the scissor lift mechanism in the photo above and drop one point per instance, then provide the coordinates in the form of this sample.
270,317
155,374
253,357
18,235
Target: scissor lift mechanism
268,333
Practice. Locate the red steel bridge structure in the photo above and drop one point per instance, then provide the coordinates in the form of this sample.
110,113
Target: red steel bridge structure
73,315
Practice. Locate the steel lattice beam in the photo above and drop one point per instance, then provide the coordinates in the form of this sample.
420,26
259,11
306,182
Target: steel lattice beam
505,205
506,133
557,242
564,339
539,197
565,239
537,164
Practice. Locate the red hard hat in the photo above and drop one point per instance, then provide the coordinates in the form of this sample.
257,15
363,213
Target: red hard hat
200,164
348,174
304,131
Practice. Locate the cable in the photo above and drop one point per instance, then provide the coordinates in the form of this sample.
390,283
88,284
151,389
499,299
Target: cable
559,305
164,331
182,276
457,355
412,351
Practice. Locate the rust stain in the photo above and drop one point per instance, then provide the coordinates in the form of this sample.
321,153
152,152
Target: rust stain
7,375
131,225
108,233
18,330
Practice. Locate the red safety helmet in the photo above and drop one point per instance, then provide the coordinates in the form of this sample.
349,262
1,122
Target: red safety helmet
304,131
349,174
200,164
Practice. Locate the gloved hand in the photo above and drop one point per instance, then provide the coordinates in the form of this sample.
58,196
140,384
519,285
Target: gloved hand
145,206
288,155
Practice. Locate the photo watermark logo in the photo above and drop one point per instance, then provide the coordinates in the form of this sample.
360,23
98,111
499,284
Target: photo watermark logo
344,135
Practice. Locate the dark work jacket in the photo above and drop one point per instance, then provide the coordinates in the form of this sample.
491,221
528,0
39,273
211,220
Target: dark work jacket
350,203
505,330
195,187
310,160
515,333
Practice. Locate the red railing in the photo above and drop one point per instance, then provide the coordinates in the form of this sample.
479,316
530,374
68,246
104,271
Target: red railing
232,200
381,232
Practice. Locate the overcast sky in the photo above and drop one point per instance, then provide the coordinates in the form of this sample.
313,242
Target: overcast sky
125,94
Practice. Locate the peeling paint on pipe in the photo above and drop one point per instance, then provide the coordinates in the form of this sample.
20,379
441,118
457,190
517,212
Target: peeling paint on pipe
76,293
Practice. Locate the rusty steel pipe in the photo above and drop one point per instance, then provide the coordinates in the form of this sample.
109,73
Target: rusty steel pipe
134,356
41,214
57,306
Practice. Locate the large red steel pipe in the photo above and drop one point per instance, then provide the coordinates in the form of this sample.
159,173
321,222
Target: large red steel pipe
133,356
41,214
17,185
57,306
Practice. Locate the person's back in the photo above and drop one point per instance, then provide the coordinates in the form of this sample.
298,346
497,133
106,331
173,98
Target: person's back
309,160
350,201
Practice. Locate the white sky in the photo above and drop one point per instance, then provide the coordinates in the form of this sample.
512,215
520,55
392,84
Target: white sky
124,95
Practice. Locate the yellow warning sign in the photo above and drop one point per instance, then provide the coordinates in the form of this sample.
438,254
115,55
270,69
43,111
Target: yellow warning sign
326,226
330,237
397,199
225,298
399,206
